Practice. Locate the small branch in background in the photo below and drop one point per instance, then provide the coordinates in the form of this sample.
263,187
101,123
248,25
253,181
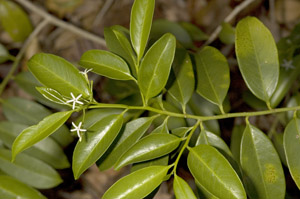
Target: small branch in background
16,62
103,11
233,14
55,21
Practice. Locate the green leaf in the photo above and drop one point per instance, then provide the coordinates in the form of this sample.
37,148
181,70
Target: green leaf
57,73
262,170
140,25
133,131
195,33
217,171
106,63
156,65
235,142
29,170
183,86
162,26
291,146
181,189
28,83
137,184
46,150
118,43
161,161
227,34
98,138
150,147
257,57
212,139
278,144
4,54
11,188
212,75
51,95
36,133
28,112
23,111
14,20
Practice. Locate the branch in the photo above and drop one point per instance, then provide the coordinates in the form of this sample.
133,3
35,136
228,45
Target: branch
16,62
60,23
233,14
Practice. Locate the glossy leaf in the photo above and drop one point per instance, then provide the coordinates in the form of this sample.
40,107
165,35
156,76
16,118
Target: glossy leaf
133,131
140,25
211,139
137,184
29,170
46,150
10,188
203,192
263,173
28,112
57,73
51,95
118,43
106,63
36,133
183,86
156,65
162,26
28,83
181,189
14,20
257,57
98,138
195,33
217,171
235,143
291,146
212,75
150,147
227,34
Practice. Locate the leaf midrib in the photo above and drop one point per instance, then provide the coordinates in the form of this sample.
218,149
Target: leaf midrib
256,157
256,60
58,77
212,171
107,67
209,80
156,67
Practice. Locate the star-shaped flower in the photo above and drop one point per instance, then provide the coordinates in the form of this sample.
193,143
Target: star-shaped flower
78,129
288,64
75,100
85,72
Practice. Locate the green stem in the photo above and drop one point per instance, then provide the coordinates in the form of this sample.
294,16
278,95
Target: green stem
188,138
21,53
197,117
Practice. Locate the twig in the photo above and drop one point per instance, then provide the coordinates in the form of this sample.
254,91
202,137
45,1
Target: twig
61,23
233,14
103,11
15,65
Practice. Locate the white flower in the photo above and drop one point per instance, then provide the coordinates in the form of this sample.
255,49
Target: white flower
75,100
288,64
78,129
85,72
